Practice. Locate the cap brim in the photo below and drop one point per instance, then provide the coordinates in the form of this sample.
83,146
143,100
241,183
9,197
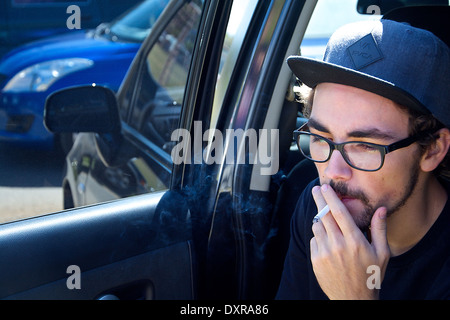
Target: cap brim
311,72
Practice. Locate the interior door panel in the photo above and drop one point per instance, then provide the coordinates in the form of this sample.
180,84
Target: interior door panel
145,276
121,248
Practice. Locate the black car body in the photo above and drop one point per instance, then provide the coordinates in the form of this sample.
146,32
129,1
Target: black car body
207,227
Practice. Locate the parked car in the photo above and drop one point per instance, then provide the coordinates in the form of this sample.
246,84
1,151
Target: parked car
194,222
30,73
22,21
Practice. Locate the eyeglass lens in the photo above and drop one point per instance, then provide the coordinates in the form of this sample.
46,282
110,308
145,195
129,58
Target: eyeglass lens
360,155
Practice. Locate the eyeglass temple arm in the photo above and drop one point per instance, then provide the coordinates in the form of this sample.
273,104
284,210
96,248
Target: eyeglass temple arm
406,142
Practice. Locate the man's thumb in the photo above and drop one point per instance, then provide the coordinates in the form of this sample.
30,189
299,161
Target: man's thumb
378,232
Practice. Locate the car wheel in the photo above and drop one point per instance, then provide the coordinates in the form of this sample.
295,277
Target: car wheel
64,142
67,198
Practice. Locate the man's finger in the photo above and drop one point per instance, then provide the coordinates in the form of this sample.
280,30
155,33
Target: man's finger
340,213
318,198
378,232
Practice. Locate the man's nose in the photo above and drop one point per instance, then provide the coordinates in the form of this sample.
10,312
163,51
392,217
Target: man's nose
337,168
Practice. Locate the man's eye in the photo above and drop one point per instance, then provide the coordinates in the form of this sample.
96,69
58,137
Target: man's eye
316,139
362,147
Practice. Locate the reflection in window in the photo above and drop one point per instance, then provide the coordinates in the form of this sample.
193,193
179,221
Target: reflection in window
240,16
158,105
170,59
137,24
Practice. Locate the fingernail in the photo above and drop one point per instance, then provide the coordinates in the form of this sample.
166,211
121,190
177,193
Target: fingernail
383,213
324,187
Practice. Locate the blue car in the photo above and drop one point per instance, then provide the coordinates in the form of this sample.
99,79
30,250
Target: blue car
30,73
23,21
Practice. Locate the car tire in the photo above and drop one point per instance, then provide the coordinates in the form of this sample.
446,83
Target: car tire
64,142
67,198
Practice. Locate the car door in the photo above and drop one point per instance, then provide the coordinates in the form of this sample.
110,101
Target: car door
210,234
136,248
151,246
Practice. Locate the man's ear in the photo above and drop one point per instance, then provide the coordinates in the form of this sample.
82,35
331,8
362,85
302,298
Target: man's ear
436,151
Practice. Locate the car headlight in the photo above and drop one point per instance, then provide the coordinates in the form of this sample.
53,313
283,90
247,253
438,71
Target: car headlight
40,76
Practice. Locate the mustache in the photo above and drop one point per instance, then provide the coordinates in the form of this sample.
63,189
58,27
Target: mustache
343,190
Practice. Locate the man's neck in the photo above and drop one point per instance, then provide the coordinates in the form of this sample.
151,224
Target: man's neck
409,225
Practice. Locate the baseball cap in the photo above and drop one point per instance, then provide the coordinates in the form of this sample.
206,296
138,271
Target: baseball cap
408,65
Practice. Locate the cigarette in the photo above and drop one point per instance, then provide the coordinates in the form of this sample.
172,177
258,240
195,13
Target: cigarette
321,214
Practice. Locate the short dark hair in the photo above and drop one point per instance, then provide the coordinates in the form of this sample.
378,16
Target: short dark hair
418,122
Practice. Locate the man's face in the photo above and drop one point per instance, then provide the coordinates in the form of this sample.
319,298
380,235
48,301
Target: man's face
342,113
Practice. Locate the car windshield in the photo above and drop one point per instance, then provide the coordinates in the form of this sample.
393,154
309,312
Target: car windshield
136,24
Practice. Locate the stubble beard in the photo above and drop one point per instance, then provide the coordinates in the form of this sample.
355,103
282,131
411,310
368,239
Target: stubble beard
364,217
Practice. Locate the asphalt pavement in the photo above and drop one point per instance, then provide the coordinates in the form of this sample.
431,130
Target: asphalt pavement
30,182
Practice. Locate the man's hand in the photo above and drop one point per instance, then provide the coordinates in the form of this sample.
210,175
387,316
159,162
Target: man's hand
340,253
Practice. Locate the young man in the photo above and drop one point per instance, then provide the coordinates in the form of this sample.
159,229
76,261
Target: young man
378,133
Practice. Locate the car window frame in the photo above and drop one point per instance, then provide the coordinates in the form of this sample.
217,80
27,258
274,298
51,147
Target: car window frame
165,102
129,90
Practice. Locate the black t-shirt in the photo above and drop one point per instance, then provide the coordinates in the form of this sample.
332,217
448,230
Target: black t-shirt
423,272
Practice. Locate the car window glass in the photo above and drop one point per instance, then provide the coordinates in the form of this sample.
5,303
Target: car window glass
157,91
160,91
137,24
240,16
156,105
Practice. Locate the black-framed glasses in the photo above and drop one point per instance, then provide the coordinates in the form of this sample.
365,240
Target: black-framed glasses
360,155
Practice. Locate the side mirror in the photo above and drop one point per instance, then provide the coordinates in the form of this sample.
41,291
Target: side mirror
88,109
82,109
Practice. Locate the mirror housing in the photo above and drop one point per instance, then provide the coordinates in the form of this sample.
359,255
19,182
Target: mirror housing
87,109
82,109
